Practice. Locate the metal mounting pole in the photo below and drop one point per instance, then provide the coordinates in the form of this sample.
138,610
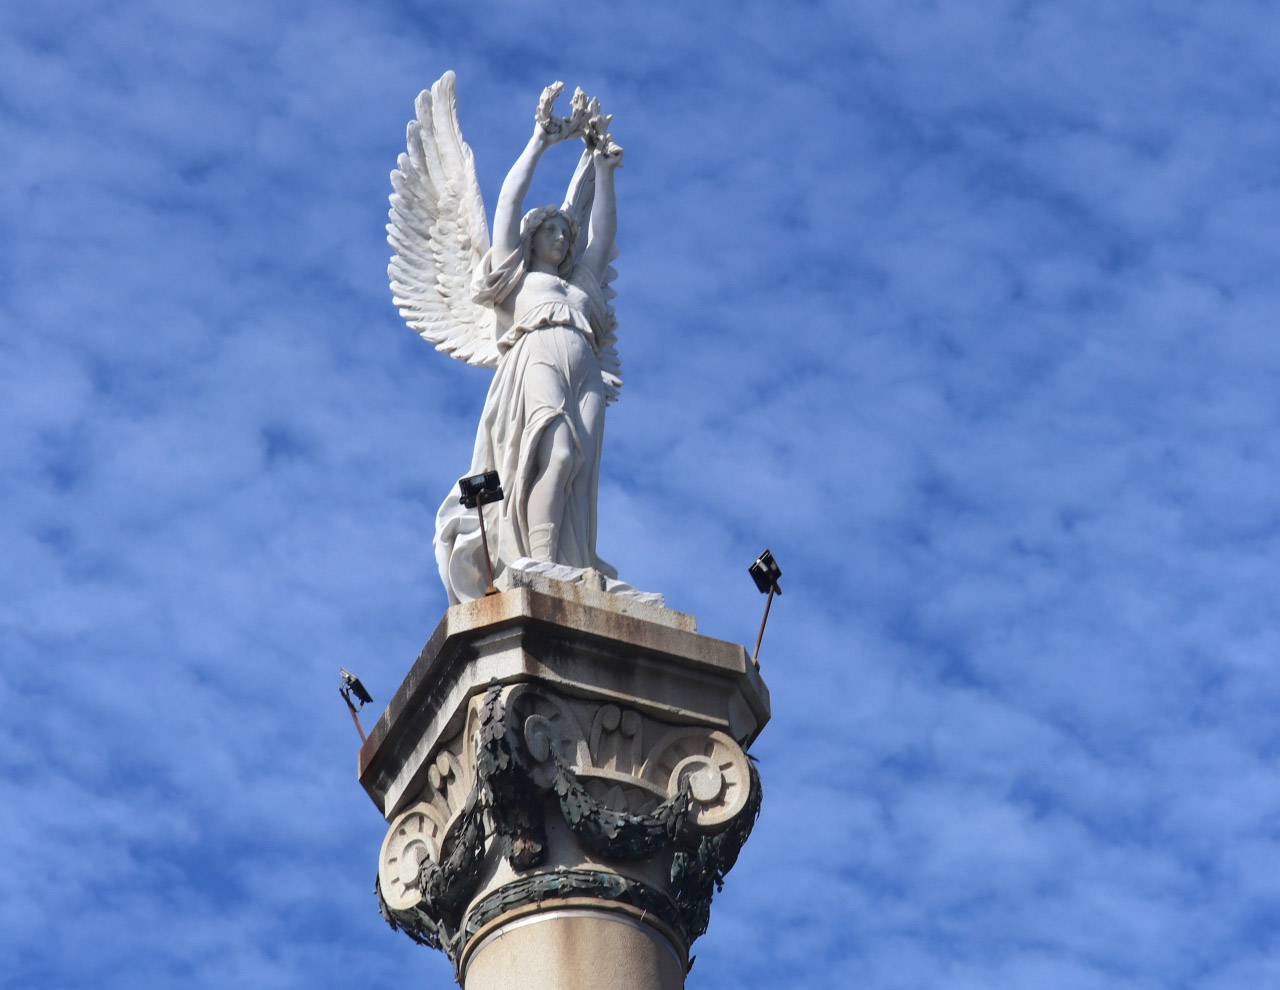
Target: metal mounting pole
768,601
484,541
354,717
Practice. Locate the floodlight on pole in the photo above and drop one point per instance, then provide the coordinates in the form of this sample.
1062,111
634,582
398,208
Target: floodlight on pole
351,685
479,490
765,572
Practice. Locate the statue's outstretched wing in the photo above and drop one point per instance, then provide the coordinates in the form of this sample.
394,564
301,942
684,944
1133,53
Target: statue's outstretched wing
577,201
439,232
610,363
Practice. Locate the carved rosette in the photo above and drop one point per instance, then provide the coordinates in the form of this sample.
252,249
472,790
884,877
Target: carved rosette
630,788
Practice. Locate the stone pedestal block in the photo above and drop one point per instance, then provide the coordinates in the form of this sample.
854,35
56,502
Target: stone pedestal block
565,777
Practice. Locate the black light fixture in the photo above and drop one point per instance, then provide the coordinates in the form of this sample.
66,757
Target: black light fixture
765,572
351,685
478,491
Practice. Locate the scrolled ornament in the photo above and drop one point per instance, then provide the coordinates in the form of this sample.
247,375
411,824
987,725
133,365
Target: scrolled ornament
710,766
415,837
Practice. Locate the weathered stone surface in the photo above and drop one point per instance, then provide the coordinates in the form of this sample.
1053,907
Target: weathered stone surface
555,749
589,583
575,949
581,643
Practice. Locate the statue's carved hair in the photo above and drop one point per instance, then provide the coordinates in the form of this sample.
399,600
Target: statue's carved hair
535,218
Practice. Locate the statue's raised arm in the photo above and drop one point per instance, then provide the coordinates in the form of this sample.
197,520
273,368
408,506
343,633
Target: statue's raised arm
604,213
537,308
547,130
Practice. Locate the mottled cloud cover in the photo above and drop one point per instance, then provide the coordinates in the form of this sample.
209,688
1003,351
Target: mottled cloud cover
968,311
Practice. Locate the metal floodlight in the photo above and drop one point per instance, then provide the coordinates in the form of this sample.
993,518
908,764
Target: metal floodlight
477,491
765,572
480,489
351,685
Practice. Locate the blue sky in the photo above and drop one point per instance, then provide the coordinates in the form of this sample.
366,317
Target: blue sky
968,311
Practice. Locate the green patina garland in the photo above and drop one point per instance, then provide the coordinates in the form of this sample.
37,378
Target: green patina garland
504,789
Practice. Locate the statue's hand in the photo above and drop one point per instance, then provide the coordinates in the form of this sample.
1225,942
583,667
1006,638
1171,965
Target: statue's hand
606,154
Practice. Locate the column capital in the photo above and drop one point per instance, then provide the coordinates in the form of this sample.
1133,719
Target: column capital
559,753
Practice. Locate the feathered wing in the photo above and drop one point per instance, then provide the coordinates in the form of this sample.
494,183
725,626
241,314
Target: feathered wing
577,201
439,232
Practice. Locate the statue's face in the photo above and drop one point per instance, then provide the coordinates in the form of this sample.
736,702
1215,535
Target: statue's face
551,240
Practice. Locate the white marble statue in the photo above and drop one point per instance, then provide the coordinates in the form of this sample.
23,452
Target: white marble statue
533,305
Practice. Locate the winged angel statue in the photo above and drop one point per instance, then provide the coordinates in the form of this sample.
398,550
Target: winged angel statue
531,304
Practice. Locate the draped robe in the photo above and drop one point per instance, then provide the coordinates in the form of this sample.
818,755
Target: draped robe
549,331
